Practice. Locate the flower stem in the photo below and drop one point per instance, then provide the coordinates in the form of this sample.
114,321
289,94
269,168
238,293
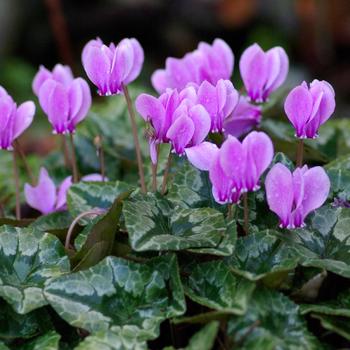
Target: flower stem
166,173
246,213
101,156
94,212
15,174
300,153
154,173
65,151
136,139
74,160
18,148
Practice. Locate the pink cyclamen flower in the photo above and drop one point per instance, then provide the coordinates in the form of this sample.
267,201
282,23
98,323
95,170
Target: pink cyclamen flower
292,196
111,67
207,63
263,72
219,100
65,100
243,118
236,167
45,197
175,118
13,120
308,108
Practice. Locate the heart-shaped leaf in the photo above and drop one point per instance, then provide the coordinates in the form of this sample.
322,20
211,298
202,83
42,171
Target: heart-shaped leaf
28,259
120,295
215,286
324,242
14,325
153,223
271,322
262,255
336,307
86,196
108,340
48,341
339,325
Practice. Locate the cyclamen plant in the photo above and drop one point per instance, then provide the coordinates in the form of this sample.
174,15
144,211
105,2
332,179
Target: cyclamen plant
124,272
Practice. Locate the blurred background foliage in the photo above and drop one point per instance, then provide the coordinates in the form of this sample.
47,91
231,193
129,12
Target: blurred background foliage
315,34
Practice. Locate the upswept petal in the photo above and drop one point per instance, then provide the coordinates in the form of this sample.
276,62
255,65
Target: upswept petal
253,68
137,62
40,77
61,202
279,192
179,76
149,107
160,80
97,66
207,97
23,118
43,196
277,78
180,133
62,74
316,189
80,101
202,155
298,107
233,160
201,120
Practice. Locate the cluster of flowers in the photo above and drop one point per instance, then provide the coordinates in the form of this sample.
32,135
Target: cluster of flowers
196,98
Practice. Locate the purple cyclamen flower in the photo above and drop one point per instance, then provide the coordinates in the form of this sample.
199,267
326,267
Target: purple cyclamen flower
175,118
292,196
263,72
110,67
13,120
207,63
65,100
219,100
236,167
46,198
243,118
308,108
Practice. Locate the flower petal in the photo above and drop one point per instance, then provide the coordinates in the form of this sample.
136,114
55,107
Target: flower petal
160,80
43,196
137,62
253,68
97,65
61,202
233,160
279,192
24,117
40,77
298,107
316,189
278,66
150,108
79,96
202,155
201,121
180,133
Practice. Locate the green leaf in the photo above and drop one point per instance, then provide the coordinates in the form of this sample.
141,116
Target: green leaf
205,338
340,163
85,196
271,322
191,188
48,341
108,340
337,307
28,259
339,325
14,325
215,286
3,346
324,242
99,242
340,183
262,256
154,224
120,295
